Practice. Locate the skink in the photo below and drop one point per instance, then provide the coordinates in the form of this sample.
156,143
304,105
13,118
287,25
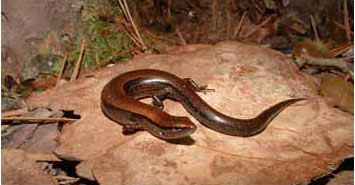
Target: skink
120,102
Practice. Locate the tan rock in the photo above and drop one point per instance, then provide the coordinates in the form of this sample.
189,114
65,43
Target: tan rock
344,178
18,168
305,140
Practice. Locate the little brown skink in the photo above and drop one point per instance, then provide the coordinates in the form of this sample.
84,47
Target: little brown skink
120,102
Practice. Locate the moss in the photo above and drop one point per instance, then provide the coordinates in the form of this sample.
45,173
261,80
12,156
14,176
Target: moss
103,36
39,64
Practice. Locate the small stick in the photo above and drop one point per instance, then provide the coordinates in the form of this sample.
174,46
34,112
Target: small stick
257,7
343,27
43,157
5,16
341,49
17,112
138,41
257,27
314,27
67,179
130,35
177,31
123,9
346,20
236,32
214,14
133,24
326,62
169,10
134,39
36,119
64,180
160,38
229,20
78,62
63,63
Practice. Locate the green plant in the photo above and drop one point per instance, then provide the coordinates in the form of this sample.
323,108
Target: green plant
102,33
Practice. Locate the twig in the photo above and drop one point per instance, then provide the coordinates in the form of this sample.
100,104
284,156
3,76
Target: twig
17,112
343,27
236,32
327,62
214,13
35,119
5,16
228,14
196,8
177,31
78,63
43,157
257,7
341,49
63,63
133,38
63,177
314,28
64,180
123,9
346,20
161,38
257,27
133,24
169,11
134,35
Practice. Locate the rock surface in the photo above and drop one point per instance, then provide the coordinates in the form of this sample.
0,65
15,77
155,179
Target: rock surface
32,27
306,140
337,92
18,168
36,138
344,178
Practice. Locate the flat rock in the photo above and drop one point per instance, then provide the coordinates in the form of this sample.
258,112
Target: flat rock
18,168
306,140
344,178
34,138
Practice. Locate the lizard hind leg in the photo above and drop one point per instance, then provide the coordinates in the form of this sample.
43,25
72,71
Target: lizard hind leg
158,98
